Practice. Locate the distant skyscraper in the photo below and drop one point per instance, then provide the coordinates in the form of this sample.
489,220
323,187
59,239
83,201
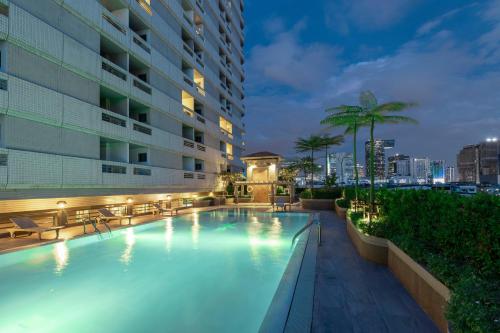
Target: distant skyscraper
420,170
438,172
361,171
399,166
379,157
342,165
480,163
450,175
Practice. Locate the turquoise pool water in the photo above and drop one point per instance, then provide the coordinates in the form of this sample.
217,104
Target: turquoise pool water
207,272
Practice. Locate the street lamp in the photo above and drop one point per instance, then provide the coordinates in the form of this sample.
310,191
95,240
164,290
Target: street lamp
62,217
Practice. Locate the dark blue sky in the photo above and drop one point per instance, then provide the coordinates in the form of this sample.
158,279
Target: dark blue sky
303,56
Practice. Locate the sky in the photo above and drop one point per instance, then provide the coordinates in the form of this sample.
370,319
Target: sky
305,56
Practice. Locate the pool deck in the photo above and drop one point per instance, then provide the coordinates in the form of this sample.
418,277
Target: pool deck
23,242
355,295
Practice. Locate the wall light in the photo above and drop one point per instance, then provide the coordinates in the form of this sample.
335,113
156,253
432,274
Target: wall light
130,200
61,204
169,197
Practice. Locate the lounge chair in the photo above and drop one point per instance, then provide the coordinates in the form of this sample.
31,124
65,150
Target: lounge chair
175,206
105,215
26,224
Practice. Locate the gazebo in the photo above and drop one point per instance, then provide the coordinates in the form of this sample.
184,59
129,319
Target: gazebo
262,170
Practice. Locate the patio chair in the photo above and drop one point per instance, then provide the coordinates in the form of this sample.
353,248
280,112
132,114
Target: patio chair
175,206
105,215
281,203
25,224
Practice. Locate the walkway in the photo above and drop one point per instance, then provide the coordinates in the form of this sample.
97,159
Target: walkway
355,295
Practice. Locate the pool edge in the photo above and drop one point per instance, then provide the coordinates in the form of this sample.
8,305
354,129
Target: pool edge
291,308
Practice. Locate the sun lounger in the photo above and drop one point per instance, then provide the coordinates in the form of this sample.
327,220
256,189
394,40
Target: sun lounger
175,206
281,203
105,215
25,224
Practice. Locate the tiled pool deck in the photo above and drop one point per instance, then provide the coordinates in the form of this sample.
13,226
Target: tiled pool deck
355,295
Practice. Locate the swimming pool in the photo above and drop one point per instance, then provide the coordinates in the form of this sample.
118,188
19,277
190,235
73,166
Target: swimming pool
204,272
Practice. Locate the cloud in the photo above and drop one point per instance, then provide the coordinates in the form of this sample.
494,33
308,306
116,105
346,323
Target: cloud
287,61
431,25
366,15
457,90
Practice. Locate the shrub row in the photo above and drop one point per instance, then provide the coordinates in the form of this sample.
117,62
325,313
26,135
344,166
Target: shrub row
457,239
322,193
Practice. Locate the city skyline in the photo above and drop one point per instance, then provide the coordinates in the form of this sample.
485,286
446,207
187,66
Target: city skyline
299,64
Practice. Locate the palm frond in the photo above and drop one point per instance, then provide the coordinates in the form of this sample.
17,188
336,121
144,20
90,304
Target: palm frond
392,107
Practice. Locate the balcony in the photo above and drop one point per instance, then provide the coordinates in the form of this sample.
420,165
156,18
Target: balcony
146,5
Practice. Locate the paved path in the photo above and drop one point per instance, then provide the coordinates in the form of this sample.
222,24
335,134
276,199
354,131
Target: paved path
355,295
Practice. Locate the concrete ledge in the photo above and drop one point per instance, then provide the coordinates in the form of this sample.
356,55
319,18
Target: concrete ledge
368,247
341,212
318,204
426,290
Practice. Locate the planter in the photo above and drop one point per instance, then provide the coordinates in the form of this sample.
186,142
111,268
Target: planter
318,204
229,201
426,290
218,201
341,212
368,247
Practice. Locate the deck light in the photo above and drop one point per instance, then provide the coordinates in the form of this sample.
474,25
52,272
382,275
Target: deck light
61,204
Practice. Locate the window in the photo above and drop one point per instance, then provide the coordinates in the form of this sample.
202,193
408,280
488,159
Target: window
113,169
142,157
4,10
3,85
225,125
198,165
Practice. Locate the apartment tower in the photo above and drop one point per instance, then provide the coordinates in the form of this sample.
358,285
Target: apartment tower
118,97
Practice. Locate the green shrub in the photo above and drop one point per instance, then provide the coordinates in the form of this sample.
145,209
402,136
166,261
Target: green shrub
457,239
307,194
343,203
327,193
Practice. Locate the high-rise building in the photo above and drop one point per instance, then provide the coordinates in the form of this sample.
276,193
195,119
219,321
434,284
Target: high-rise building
480,163
342,165
399,166
438,172
379,157
420,170
450,175
113,98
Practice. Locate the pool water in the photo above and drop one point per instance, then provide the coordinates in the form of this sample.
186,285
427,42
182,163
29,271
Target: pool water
206,272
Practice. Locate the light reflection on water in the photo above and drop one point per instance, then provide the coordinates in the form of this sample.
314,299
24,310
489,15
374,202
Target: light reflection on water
61,257
195,230
126,256
169,232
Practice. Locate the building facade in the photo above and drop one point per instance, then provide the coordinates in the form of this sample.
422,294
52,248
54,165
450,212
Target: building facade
450,175
117,97
438,172
420,170
380,146
342,165
480,163
399,166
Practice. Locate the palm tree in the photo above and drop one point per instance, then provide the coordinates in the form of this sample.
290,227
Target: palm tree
352,117
311,144
380,114
328,141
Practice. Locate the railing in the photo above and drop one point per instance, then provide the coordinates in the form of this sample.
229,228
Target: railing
109,67
200,6
188,80
141,86
188,144
188,175
141,43
200,119
188,111
200,61
113,120
200,90
188,49
201,148
142,129
142,172
201,176
114,23
4,159
188,19
107,168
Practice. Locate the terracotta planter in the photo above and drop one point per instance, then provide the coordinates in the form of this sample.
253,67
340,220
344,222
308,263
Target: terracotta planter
318,204
426,290
341,212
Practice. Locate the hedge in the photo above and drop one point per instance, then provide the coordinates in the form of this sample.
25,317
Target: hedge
322,193
457,239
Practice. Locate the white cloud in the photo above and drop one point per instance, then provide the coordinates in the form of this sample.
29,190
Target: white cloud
365,14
